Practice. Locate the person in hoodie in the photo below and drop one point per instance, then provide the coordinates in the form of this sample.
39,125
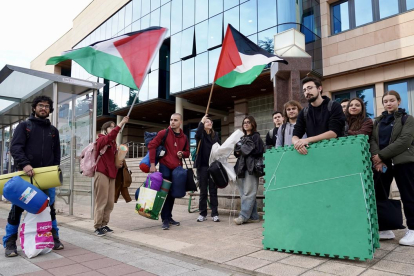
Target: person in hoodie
177,147
291,110
35,144
248,150
392,150
324,117
105,175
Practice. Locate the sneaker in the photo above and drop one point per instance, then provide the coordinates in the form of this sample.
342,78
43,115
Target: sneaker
99,232
165,225
239,220
253,220
216,219
408,239
57,244
107,230
201,218
386,235
11,248
173,222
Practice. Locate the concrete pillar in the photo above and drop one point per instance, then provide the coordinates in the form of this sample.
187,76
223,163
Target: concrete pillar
119,137
179,107
240,111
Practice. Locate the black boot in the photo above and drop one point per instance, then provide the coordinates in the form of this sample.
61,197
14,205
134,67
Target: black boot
11,248
58,245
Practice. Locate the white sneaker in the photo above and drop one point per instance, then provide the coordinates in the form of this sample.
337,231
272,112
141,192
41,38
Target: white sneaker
201,218
386,235
408,239
216,219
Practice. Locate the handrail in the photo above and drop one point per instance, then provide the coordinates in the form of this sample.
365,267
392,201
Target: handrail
136,146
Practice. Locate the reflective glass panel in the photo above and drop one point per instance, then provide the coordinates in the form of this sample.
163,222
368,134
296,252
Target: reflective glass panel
1,148
128,14
136,9
248,17
188,13
231,17
114,25
103,31
267,12
165,17
6,154
215,30
175,77
187,74
201,69
164,1
367,96
201,10
145,22
187,41
201,33
128,29
153,85
143,94
175,48
215,7
121,19
388,7
340,15
155,4
176,16
402,89
213,57
230,4
253,38
286,13
109,28
265,39
363,12
156,62
136,26
145,7
155,18
410,4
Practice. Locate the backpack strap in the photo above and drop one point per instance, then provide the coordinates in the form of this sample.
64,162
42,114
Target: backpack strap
305,113
271,133
29,127
165,137
330,103
283,134
404,119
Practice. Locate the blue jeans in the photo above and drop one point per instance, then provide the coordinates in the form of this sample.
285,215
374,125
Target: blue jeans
248,190
166,212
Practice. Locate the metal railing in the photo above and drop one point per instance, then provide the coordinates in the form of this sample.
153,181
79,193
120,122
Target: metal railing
136,149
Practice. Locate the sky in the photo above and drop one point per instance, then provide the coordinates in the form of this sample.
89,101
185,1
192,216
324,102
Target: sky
28,27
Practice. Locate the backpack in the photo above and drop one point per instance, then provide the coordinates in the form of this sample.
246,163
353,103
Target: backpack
149,136
218,175
88,162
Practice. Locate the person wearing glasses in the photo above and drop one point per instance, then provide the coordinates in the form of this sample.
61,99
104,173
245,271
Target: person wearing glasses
322,119
35,144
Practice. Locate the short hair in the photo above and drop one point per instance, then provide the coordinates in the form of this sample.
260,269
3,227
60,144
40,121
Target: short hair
277,112
345,100
178,114
392,93
292,103
39,99
316,81
252,122
106,125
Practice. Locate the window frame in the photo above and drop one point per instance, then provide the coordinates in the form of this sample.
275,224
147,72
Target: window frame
352,94
410,91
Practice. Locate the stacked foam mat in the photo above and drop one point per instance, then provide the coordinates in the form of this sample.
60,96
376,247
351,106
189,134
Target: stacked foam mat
322,203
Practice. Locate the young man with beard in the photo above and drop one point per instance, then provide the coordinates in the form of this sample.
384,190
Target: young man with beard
177,147
35,144
271,136
322,119
291,110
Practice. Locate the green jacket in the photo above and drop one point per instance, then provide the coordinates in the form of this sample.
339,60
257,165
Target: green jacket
401,148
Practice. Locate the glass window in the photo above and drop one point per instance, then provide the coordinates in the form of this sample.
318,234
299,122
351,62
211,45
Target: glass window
128,14
265,39
338,97
145,7
402,88
175,77
187,42
410,4
128,29
231,17
164,1
308,27
365,94
145,22
201,33
175,48
155,4
7,155
121,19
388,8
213,57
176,16
188,13
230,4
153,85
286,13
201,10
201,69
136,26
267,12
248,18
187,74
109,28
253,38
215,7
165,17
363,12
155,18
136,10
114,25
340,17
103,31
215,30
155,64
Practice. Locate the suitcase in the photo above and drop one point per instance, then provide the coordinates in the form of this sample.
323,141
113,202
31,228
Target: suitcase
218,175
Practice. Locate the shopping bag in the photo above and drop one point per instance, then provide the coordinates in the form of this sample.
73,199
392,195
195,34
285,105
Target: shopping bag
35,234
190,185
150,203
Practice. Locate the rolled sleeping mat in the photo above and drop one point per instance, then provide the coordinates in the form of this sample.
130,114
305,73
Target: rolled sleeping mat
44,178
166,185
25,195
122,151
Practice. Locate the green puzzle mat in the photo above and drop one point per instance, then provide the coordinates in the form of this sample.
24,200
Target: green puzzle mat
322,203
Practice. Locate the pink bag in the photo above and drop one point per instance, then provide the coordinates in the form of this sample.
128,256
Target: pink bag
88,162
35,234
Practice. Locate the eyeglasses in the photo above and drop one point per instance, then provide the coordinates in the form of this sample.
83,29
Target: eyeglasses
309,88
41,106
247,123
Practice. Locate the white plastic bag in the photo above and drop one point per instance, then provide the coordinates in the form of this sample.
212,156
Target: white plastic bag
35,234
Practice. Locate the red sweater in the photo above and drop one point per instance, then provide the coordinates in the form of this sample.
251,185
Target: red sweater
106,164
173,144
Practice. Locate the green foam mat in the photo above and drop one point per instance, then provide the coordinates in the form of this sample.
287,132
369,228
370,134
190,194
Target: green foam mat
322,203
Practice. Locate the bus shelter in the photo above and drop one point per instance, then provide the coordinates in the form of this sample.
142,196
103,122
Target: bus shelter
74,103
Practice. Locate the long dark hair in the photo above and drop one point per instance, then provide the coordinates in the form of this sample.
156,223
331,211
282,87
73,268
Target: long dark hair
252,122
355,121
212,132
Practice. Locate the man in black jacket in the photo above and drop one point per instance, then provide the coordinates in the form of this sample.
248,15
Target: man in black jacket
35,144
271,135
322,119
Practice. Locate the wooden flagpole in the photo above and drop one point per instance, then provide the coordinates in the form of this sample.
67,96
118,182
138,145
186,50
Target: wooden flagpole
209,98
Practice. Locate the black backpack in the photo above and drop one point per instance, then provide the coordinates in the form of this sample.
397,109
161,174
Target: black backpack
218,174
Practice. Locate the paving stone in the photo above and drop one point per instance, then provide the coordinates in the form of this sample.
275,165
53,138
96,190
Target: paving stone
140,273
117,270
337,268
73,252
86,257
101,263
303,261
281,270
316,273
167,270
405,249
24,268
55,263
45,257
37,273
69,270
390,266
146,263
90,273
270,255
248,263
374,272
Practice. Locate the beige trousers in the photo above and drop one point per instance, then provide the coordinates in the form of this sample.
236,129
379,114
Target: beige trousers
104,199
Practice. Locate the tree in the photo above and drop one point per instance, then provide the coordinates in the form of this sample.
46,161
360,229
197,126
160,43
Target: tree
132,94
99,103
267,44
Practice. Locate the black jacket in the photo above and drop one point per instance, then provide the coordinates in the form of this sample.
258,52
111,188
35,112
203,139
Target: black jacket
320,120
271,141
248,150
41,149
206,143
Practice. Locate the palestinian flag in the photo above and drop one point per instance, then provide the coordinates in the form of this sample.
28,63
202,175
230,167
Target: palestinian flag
125,59
241,61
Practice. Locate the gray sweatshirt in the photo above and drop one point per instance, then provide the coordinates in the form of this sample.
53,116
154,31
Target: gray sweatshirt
288,135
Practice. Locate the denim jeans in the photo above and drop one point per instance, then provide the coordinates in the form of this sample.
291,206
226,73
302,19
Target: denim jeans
166,212
248,190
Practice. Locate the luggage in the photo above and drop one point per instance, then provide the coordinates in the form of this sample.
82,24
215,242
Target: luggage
218,174
150,202
179,180
154,181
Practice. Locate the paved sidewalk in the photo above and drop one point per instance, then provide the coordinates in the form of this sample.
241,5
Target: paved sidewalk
211,246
